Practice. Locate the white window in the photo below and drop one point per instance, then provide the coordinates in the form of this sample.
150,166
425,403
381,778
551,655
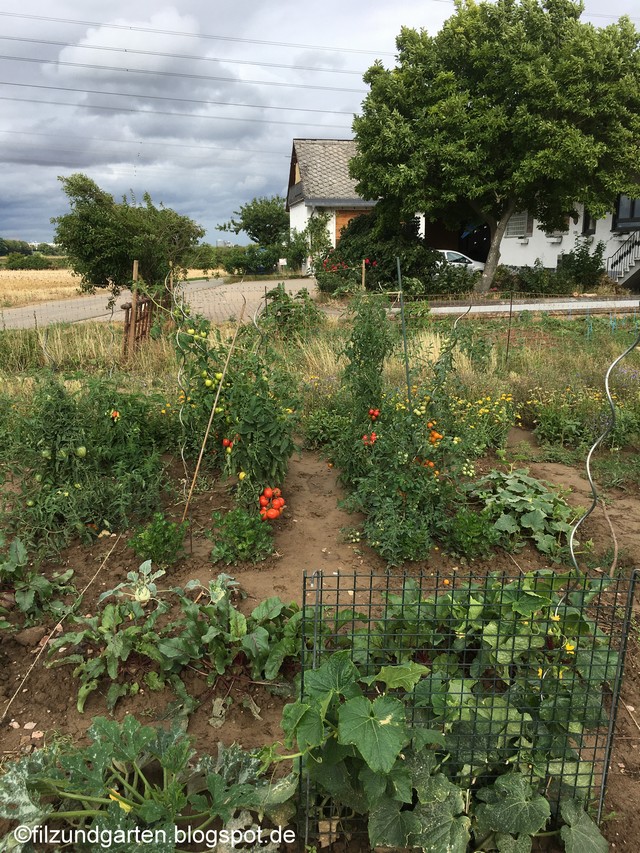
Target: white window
519,225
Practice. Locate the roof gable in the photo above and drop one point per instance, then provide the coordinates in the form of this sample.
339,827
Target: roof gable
323,171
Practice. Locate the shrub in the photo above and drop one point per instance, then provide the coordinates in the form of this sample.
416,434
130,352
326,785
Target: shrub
240,536
243,260
287,315
160,541
17,261
581,268
86,460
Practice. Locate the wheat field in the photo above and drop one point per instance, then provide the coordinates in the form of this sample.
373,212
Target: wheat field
28,287
24,287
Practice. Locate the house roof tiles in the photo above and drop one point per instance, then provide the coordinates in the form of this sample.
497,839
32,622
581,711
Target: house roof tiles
324,170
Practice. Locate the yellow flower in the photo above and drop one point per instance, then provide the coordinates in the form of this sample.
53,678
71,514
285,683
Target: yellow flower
115,796
539,672
554,617
569,648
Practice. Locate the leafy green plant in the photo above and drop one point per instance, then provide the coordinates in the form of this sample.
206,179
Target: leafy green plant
470,533
33,592
404,472
522,508
583,267
160,541
370,343
131,778
453,716
87,459
240,535
103,643
254,418
286,315
208,633
212,630
323,427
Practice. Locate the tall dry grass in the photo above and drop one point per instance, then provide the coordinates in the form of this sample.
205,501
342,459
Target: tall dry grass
86,347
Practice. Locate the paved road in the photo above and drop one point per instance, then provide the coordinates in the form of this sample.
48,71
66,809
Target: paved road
221,302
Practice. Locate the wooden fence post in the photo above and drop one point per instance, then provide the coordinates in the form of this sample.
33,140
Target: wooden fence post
134,306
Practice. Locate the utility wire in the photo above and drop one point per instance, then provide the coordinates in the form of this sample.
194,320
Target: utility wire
203,36
199,101
158,53
142,142
123,109
158,73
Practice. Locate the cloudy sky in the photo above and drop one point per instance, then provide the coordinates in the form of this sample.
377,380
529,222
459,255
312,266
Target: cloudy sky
195,102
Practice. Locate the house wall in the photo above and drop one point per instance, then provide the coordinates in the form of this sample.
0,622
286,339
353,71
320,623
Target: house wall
518,253
299,216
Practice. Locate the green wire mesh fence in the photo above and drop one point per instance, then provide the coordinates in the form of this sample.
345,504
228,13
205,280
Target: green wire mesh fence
500,674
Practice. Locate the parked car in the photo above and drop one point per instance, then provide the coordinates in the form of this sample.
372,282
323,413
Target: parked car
453,257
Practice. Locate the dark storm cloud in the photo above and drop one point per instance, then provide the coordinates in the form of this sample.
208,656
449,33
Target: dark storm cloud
147,97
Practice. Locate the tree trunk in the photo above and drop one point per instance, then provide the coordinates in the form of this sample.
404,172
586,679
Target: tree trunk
497,227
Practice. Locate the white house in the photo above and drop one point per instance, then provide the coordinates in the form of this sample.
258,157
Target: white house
525,242
319,181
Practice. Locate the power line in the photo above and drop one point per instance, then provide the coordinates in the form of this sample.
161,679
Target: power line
198,101
122,109
204,36
140,143
52,148
157,53
41,61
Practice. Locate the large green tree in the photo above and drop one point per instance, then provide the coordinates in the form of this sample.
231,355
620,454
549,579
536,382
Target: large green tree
102,237
265,220
514,105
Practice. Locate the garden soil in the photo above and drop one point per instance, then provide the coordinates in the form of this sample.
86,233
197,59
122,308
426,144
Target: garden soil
310,537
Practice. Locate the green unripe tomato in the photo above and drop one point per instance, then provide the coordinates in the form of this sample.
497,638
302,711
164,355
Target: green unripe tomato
191,331
46,453
208,382
218,376
38,478
203,334
81,452
30,503
62,454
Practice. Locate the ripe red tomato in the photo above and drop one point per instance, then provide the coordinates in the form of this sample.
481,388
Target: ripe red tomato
268,493
276,493
264,501
273,513
277,503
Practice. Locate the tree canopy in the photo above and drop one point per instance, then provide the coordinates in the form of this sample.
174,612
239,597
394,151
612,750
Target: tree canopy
265,221
102,237
514,105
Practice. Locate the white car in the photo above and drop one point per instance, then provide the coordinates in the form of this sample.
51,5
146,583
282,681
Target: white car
453,257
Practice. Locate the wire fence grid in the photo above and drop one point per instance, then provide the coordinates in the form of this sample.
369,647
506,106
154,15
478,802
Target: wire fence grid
222,303
218,302
522,672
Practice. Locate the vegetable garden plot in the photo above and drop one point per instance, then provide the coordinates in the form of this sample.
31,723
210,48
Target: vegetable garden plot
475,707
